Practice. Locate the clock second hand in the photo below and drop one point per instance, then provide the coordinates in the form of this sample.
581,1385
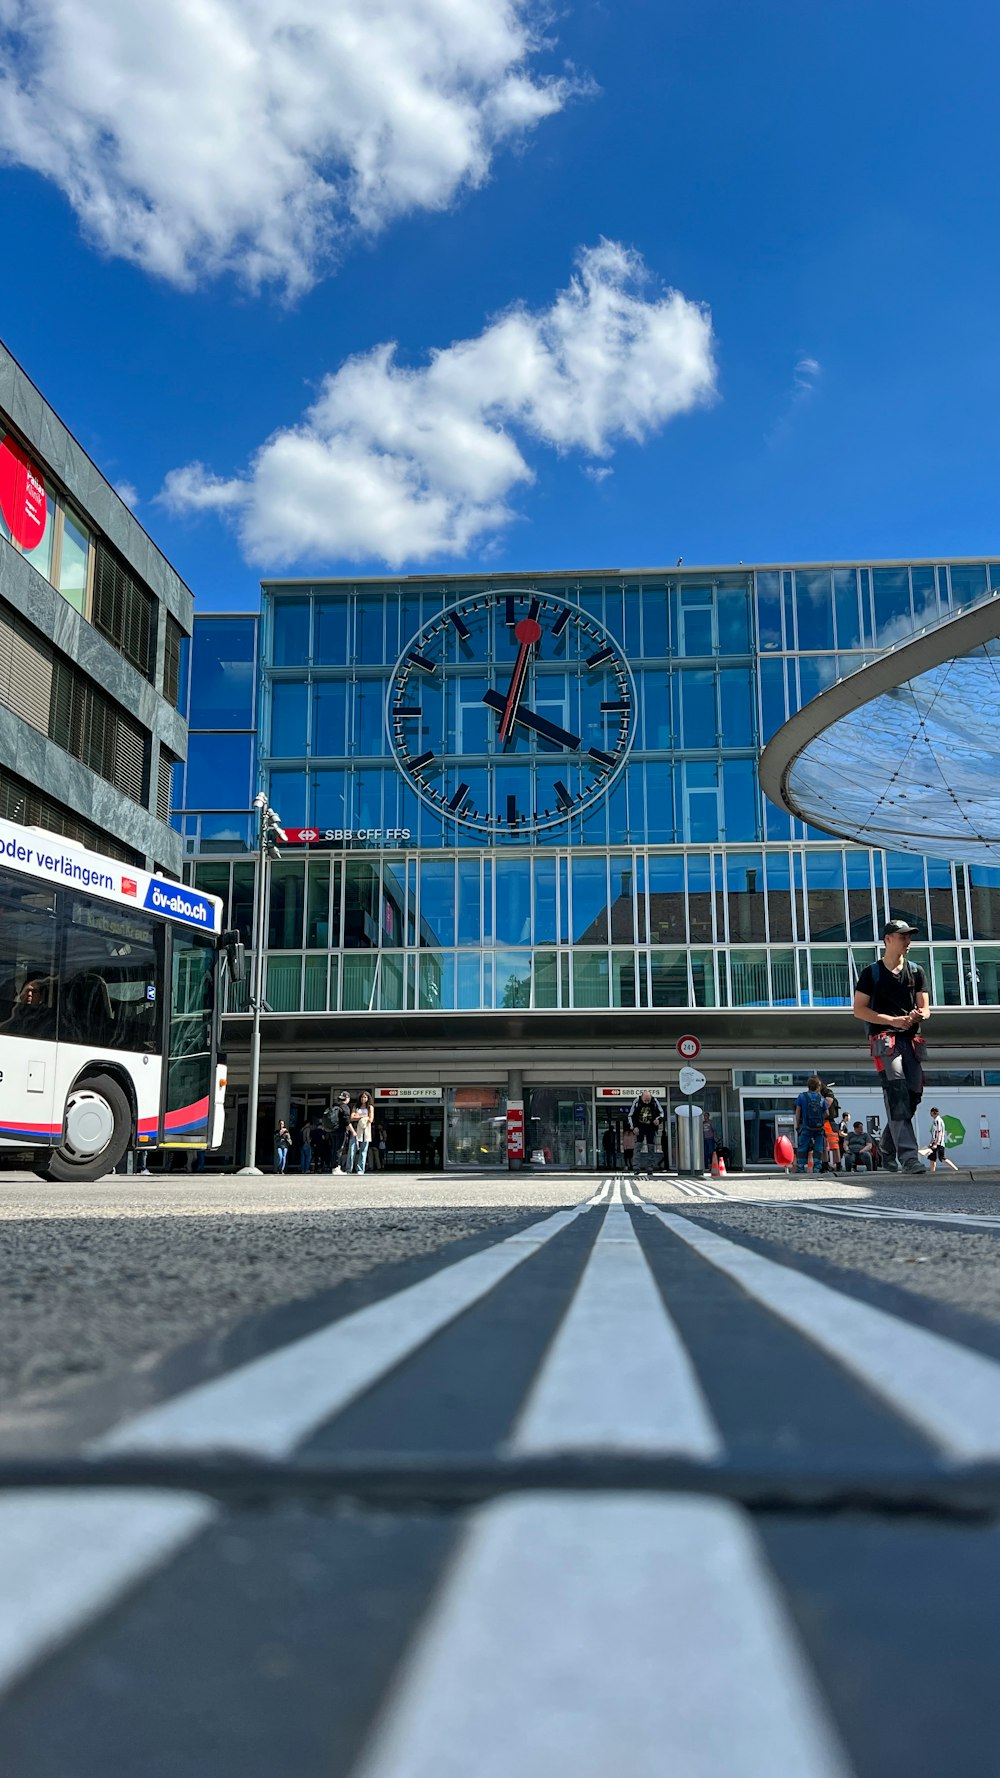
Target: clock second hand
540,724
528,633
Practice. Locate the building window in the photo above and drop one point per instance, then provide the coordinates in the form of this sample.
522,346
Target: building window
124,610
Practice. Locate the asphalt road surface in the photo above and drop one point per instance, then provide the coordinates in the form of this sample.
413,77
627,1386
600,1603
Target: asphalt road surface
520,1475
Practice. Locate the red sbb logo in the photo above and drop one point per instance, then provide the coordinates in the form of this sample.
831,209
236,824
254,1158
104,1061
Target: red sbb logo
129,886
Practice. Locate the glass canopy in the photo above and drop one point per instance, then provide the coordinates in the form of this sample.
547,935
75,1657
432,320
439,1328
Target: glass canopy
904,753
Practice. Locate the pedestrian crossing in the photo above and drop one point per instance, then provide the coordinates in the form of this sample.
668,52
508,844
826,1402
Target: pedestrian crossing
958,1219
557,1628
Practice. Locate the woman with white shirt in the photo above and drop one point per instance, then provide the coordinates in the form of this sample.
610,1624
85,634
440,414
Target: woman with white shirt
361,1133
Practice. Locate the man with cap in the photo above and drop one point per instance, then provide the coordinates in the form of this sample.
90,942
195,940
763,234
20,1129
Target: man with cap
891,997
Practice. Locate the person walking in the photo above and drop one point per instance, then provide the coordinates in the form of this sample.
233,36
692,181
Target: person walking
858,1150
937,1152
361,1134
337,1125
710,1140
609,1144
645,1117
810,1118
282,1144
891,998
628,1146
305,1152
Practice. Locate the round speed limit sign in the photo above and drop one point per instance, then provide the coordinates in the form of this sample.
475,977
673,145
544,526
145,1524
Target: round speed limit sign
688,1047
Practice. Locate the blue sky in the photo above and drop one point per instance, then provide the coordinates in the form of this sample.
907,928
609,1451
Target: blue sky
202,268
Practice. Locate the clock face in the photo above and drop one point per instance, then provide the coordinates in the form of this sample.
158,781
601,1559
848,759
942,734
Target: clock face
511,711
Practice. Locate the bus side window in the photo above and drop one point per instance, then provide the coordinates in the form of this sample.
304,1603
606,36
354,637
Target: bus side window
87,1016
27,948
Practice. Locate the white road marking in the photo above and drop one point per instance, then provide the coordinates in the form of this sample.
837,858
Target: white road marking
949,1392
962,1219
617,1376
267,1407
578,1637
66,1556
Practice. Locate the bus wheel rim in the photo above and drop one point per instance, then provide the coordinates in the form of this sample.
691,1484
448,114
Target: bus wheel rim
90,1123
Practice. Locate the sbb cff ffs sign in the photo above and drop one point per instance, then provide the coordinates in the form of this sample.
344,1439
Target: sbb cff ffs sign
515,1132
688,1047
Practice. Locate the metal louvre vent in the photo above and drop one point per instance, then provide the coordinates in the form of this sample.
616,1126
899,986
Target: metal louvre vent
172,641
23,802
131,758
124,610
25,671
163,784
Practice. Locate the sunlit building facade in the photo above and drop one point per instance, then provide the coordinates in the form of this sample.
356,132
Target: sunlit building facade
528,851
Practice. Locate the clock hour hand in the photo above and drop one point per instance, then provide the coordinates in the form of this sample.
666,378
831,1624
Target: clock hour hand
540,725
529,634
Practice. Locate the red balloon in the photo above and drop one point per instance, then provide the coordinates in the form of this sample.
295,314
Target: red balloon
784,1153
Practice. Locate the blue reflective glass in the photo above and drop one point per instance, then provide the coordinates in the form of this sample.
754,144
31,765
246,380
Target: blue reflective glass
942,904
925,600
845,595
513,901
825,880
893,617
290,632
815,609
736,707
369,630
590,900
327,791
366,800
545,900
769,611
660,824
184,675
739,795
470,911
859,896
286,792
698,721
733,617
666,897
176,792
968,582
654,623
218,772
288,719
653,691
330,647
702,816
222,673
437,902
329,721
369,717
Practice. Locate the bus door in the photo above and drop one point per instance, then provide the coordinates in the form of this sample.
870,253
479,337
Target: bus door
190,1052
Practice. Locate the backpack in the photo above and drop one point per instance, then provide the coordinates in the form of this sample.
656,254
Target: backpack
814,1111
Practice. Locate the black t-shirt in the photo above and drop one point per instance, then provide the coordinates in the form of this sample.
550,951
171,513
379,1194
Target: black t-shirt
892,994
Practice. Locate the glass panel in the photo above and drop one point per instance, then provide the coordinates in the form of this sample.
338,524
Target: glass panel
698,719
739,795
968,583
328,798
361,904
622,888
359,985
733,617
779,895
190,1048
859,896
287,794
768,611
669,978
513,901
318,907
329,724
590,900
653,690
218,772
942,903
369,717
703,978
905,878
986,972
736,707
748,974
476,1132
288,719
393,925
624,979
666,898
390,993
314,985
832,978
28,982
745,894
291,632
825,880
893,617
73,562
437,902
944,970
784,981
436,982
470,912
925,600
330,648
845,596
546,974
591,978
699,877
512,977
984,895
284,919
815,610
660,824
654,621
369,636
222,673
545,900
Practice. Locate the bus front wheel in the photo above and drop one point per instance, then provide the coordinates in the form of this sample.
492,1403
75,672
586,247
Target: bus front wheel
97,1129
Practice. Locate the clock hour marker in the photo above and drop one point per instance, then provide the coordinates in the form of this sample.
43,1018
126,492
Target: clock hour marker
511,602
561,621
511,810
603,654
563,796
409,712
613,706
603,759
462,628
422,759
422,661
459,797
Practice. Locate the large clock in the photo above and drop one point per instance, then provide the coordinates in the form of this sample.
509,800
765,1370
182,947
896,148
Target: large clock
510,711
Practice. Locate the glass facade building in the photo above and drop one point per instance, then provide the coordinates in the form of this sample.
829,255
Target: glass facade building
539,852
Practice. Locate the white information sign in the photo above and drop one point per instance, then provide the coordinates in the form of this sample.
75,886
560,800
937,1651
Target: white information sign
691,1080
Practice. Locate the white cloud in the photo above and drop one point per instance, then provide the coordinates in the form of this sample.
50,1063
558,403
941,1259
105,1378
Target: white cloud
807,375
597,474
195,137
128,493
805,381
401,464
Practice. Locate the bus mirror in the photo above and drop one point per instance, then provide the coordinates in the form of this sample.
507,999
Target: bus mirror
236,956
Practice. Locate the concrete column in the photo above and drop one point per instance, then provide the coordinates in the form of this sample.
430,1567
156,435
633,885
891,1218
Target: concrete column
515,1097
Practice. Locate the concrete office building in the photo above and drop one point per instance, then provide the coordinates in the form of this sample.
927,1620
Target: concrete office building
93,626
528,851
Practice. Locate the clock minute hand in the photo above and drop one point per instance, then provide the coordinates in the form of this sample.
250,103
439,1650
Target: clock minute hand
539,724
528,633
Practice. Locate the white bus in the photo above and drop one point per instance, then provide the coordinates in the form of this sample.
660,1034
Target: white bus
109,1014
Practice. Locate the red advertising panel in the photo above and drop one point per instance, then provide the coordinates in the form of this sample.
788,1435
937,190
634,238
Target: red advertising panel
22,495
515,1132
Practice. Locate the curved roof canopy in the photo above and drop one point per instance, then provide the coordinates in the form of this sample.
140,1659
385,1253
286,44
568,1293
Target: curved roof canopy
904,753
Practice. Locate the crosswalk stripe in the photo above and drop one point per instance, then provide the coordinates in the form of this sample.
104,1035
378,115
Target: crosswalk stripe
68,1556
268,1406
599,1390
951,1393
579,1636
961,1219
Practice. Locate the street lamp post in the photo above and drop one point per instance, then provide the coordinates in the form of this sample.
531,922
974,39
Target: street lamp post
266,850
